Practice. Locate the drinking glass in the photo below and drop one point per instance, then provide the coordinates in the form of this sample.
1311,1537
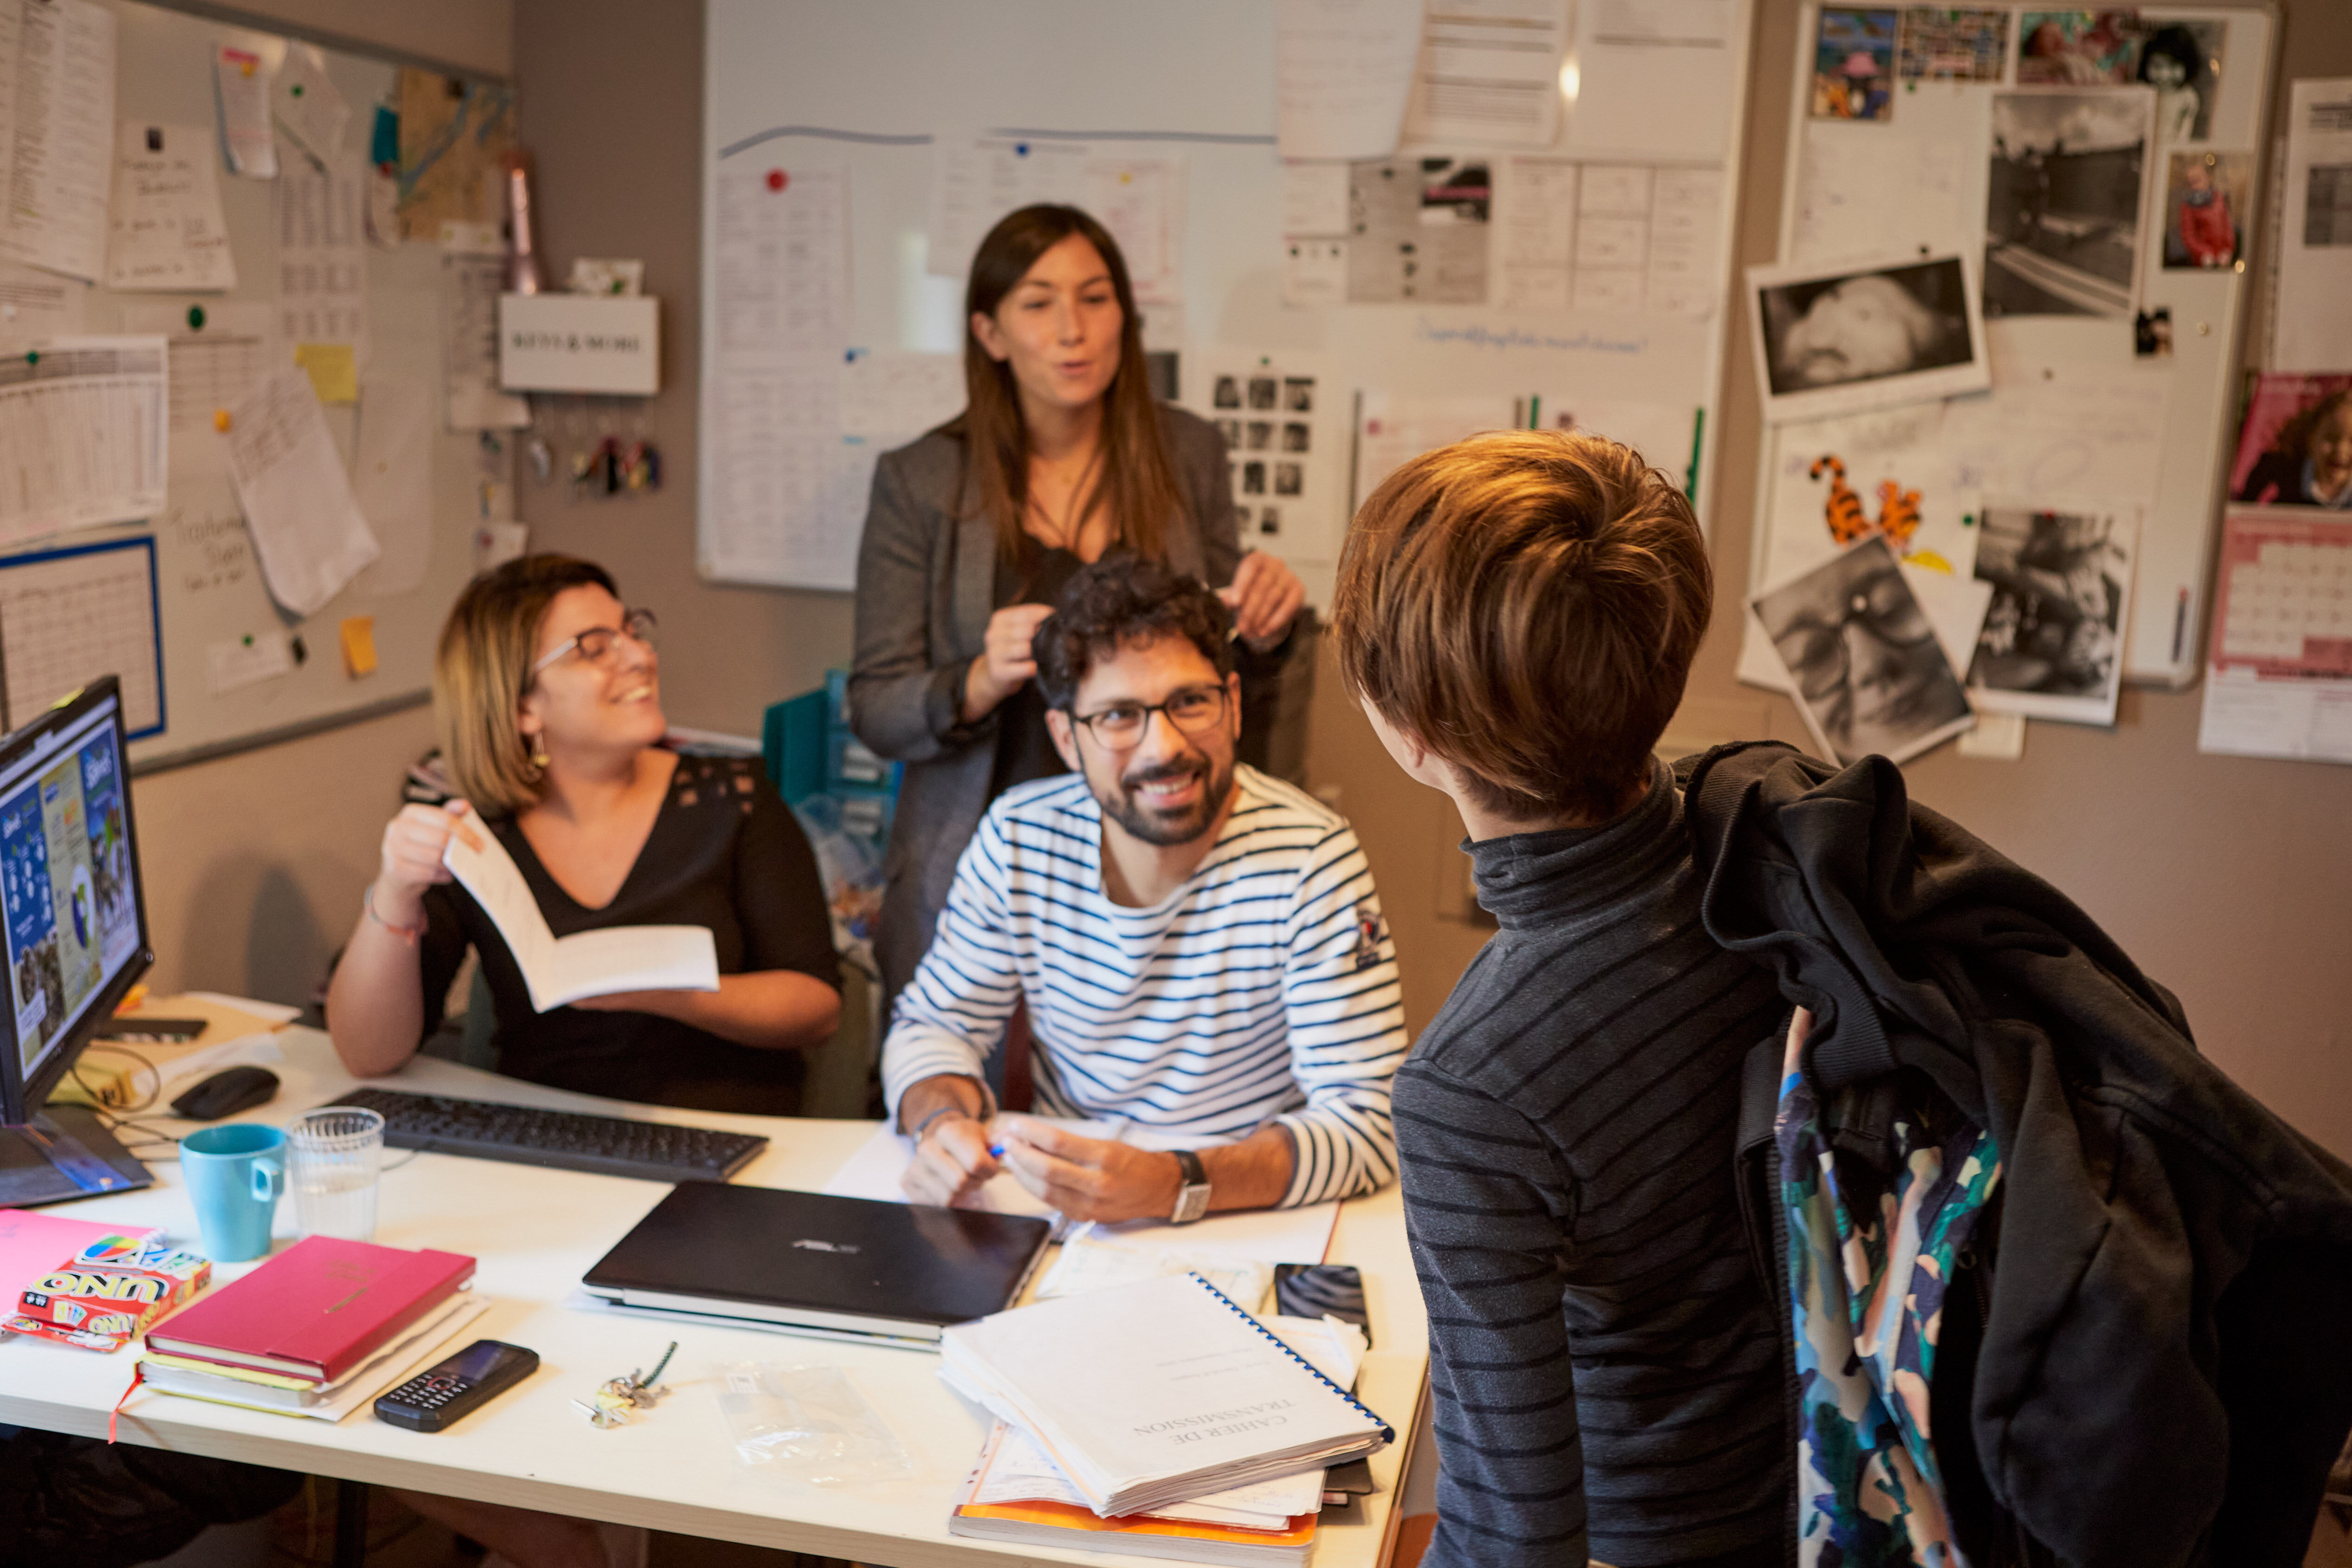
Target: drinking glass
333,1160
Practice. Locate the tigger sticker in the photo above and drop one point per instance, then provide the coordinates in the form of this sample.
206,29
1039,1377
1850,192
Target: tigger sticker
1899,509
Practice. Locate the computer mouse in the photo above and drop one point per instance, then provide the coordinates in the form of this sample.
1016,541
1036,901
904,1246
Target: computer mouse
224,1093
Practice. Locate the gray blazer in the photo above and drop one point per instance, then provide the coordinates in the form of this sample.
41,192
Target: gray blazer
926,587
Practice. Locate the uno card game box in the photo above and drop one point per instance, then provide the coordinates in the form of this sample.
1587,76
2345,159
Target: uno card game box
105,1295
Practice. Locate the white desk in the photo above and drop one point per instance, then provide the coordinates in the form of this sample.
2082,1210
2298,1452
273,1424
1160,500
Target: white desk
535,1232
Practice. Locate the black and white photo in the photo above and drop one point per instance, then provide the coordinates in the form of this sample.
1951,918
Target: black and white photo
2066,185
2052,645
1865,334
1861,657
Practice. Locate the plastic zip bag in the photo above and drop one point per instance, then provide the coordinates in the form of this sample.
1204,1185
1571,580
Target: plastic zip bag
808,1424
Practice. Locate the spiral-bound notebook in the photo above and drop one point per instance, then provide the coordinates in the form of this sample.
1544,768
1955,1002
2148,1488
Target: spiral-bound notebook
1150,1393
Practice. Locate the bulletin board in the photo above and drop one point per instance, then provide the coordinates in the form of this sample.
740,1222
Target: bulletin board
2010,136
204,587
854,155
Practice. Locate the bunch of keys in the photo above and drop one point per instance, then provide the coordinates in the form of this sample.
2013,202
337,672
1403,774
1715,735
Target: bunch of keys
621,1398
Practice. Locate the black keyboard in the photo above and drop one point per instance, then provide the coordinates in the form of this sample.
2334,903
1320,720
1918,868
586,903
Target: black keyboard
565,1140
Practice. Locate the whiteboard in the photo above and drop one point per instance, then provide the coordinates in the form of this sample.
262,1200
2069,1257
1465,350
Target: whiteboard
1921,178
871,91
207,585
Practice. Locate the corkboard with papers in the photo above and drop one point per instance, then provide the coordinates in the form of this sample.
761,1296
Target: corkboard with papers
205,283
2079,164
1358,227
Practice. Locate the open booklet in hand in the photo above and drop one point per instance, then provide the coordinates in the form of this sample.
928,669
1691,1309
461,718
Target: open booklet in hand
561,969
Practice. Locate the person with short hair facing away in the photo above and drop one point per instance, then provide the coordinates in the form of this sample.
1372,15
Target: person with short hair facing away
1200,946
547,693
1062,454
1516,614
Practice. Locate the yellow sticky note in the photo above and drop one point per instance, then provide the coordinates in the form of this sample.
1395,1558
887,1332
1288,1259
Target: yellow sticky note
334,375
359,645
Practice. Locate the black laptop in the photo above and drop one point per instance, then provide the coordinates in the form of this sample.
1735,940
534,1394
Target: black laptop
844,1267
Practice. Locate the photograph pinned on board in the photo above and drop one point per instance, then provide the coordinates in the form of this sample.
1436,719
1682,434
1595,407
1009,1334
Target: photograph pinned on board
2064,199
2182,61
1853,64
2152,333
2051,644
1944,45
2078,48
1861,657
2206,197
1417,230
2295,447
1837,338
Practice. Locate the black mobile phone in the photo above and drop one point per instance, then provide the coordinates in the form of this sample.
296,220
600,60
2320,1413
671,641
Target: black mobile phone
1317,1290
444,1393
151,1032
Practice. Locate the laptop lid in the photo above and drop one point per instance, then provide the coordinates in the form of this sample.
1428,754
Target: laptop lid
806,1257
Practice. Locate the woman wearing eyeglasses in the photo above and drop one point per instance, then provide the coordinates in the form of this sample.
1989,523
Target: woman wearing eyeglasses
547,694
1062,455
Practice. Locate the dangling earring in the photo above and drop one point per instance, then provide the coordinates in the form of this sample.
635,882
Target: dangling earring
538,752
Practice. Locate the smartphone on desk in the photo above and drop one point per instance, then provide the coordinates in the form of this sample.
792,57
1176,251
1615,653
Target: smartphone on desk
1321,1290
448,1391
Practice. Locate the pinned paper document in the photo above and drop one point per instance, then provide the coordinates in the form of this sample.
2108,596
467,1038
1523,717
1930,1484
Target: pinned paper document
59,140
219,352
245,661
241,87
391,479
297,498
304,100
1343,70
93,409
165,228
1489,73
321,256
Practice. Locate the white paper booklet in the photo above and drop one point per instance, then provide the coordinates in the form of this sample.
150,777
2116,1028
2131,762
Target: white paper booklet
561,969
1157,1393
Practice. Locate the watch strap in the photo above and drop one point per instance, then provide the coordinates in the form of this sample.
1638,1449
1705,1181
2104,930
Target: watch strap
1192,1193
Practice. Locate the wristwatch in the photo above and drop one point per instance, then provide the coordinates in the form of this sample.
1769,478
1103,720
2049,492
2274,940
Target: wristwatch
1193,1196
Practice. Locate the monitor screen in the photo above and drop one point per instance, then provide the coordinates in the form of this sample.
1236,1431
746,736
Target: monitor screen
68,879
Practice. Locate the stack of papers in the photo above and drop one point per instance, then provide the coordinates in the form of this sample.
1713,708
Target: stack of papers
1163,1392
289,1395
1015,1494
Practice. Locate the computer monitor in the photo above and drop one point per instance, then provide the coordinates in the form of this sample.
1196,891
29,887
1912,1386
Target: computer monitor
73,923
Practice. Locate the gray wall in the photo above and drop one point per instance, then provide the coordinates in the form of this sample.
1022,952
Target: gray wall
2230,879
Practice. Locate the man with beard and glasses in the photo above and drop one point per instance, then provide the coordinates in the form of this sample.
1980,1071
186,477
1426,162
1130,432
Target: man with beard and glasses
1199,947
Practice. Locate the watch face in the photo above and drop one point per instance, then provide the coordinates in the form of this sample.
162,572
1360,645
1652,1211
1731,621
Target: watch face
1191,1202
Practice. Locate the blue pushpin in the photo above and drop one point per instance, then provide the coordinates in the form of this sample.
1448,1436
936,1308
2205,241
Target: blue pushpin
1021,149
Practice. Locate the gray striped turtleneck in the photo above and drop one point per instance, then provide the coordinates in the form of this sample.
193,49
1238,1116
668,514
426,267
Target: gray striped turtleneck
1606,1373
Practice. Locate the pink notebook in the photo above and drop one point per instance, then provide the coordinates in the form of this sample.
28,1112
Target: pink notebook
33,1245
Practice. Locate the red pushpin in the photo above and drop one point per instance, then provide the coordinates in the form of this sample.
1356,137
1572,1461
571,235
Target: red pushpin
778,179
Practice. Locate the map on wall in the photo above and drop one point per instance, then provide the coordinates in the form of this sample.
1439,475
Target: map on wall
452,135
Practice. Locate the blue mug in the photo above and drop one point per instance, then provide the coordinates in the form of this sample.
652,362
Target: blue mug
234,1175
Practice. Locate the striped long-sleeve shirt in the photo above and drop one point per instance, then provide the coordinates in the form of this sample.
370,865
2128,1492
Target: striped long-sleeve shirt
1605,1372
1264,989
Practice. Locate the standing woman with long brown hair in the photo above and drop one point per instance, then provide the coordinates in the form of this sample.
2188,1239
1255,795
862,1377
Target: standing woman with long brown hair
1060,456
